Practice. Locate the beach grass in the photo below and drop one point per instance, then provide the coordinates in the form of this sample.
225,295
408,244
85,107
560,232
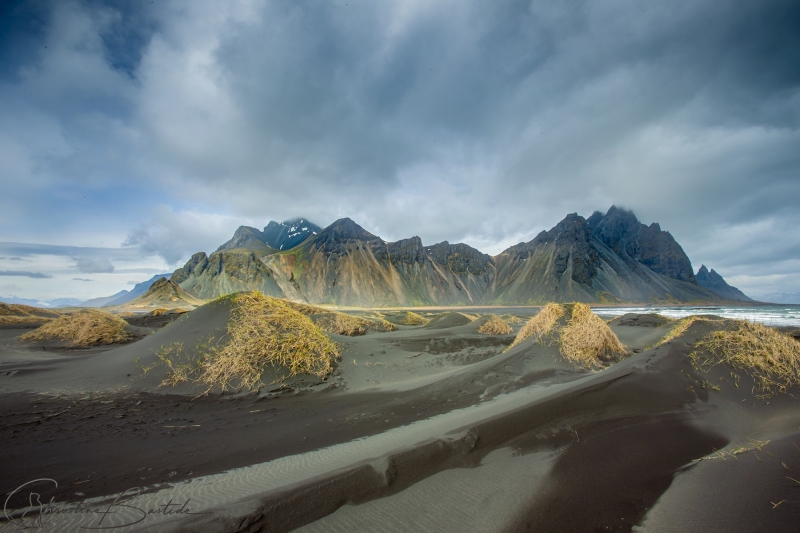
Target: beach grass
683,325
263,331
25,319
495,325
541,324
413,319
13,314
771,357
344,324
511,319
587,341
82,329
340,323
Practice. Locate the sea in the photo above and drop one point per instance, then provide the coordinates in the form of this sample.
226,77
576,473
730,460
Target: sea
770,315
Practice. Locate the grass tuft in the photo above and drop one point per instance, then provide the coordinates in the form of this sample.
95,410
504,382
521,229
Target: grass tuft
541,324
306,309
84,328
771,357
340,323
413,319
263,331
587,341
495,325
511,319
28,319
352,326
13,314
683,325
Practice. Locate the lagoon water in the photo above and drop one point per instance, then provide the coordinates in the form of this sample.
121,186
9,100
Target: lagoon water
770,315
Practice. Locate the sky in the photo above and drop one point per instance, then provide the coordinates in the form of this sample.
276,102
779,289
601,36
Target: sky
134,134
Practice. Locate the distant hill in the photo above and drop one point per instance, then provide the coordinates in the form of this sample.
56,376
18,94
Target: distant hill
715,282
124,296
20,301
64,302
609,257
165,293
781,297
103,301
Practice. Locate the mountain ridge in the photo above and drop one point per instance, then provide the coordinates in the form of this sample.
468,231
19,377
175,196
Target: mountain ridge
713,281
606,258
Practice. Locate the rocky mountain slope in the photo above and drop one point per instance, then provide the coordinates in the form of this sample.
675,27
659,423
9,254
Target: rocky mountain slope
606,258
346,265
715,282
165,293
225,272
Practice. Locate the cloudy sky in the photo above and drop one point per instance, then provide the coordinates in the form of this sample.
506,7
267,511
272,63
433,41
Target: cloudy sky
133,134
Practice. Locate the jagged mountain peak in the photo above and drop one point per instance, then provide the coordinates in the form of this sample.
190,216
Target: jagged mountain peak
297,222
622,232
276,236
344,230
715,282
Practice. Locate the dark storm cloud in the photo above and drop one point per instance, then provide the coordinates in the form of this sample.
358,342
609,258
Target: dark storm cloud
466,121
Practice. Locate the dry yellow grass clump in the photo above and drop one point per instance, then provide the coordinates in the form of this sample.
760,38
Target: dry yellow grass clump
84,328
681,327
511,319
495,325
262,331
306,309
27,319
413,319
341,324
344,324
771,357
23,310
12,314
587,340
541,324
380,324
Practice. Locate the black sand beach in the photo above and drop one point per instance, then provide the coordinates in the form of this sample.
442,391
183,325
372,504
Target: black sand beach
515,441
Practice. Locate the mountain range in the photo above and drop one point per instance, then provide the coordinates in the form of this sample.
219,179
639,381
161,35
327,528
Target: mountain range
607,258
781,297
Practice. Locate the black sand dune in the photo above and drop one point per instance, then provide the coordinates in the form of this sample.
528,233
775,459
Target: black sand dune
422,429
448,320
